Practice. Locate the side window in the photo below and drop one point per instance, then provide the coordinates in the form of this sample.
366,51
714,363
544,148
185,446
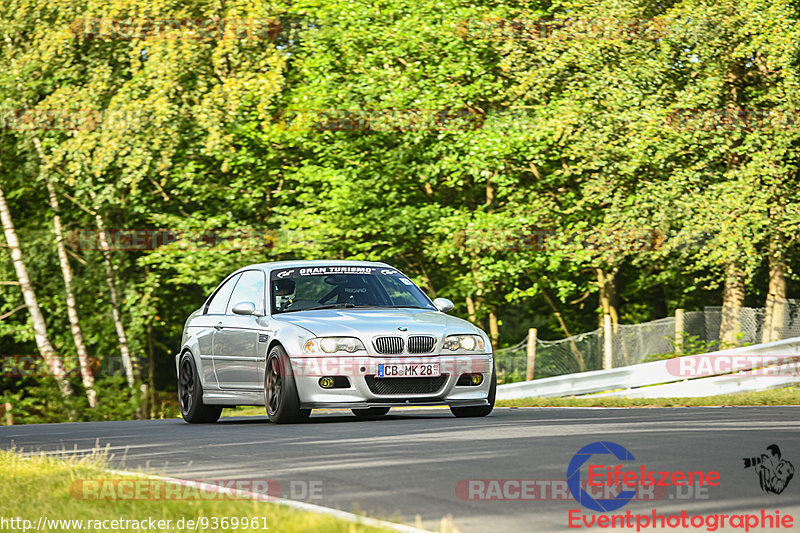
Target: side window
249,288
219,301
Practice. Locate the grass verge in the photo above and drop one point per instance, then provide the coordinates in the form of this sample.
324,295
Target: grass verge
51,487
245,410
787,396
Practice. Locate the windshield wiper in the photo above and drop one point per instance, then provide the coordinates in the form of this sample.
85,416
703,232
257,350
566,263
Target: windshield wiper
330,306
337,306
354,306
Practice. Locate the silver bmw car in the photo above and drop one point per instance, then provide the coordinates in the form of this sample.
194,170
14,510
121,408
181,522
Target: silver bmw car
301,335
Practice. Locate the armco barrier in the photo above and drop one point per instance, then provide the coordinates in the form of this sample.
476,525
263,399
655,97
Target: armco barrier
660,379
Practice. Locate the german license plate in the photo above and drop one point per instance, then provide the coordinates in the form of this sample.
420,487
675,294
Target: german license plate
412,370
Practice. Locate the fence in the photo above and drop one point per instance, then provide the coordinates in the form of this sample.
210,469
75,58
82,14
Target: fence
746,369
685,333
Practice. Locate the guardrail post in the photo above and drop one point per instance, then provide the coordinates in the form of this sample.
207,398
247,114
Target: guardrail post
9,414
531,354
608,359
143,412
679,332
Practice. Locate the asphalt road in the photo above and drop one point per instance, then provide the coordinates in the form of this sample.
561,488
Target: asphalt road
411,462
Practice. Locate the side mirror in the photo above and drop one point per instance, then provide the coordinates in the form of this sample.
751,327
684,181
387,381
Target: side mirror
443,304
244,308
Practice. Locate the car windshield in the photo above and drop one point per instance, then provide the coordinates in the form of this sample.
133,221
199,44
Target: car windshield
334,287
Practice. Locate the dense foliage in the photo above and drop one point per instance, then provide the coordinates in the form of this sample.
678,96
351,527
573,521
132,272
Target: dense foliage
539,163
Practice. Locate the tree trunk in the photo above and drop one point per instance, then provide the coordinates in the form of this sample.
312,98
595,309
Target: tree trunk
151,373
576,353
732,301
775,317
115,313
121,337
494,328
478,299
471,309
607,283
659,300
427,279
66,271
51,359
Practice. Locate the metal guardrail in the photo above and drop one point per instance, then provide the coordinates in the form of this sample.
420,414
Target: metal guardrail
777,365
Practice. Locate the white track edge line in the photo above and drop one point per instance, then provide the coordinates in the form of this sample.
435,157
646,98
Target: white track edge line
293,504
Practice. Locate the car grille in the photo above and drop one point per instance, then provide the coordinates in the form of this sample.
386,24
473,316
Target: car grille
389,345
405,385
421,344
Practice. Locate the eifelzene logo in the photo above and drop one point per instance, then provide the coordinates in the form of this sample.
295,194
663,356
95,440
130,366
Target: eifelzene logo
617,476
774,473
574,477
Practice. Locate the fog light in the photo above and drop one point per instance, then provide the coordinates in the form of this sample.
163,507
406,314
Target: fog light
326,383
477,379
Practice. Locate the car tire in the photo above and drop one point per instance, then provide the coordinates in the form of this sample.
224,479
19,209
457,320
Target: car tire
280,391
190,394
370,412
479,410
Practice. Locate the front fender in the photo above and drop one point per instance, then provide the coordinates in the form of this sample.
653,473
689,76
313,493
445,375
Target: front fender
204,365
291,337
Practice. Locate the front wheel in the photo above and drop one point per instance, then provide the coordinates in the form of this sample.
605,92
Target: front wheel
190,394
479,410
280,390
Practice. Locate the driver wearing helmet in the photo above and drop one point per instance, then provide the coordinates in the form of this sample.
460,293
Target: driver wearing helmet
284,293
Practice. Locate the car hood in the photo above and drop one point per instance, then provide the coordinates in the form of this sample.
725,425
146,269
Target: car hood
365,323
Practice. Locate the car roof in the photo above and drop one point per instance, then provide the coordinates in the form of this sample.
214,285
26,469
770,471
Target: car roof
312,262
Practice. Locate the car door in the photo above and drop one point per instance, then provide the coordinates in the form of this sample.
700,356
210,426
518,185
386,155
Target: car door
203,327
238,350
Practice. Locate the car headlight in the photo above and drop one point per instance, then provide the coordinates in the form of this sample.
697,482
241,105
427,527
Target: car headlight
467,343
325,345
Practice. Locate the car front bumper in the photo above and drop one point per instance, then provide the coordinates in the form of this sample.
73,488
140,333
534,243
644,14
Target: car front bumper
366,390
